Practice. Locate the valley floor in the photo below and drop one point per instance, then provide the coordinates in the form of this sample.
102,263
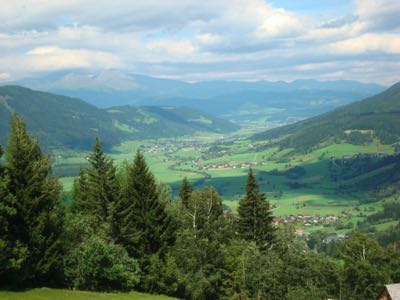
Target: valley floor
222,162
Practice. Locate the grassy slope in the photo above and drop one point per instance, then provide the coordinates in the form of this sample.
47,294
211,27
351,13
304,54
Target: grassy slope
54,294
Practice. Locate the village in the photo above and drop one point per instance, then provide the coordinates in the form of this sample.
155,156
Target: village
307,220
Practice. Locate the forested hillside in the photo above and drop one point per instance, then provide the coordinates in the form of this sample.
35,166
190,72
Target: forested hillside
61,121
123,231
374,118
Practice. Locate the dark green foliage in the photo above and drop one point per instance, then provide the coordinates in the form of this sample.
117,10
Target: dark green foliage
199,249
391,211
255,217
185,192
375,117
97,189
281,272
389,236
97,264
160,275
366,267
125,231
7,211
144,225
36,222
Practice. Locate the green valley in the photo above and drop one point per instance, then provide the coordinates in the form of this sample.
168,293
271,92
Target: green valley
347,179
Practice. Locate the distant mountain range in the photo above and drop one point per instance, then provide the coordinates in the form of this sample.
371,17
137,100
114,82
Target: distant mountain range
362,122
240,101
61,121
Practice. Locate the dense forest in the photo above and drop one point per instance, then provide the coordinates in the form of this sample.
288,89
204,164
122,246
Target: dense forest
121,229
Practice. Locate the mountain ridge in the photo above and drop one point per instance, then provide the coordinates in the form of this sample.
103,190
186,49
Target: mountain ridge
376,117
296,100
61,121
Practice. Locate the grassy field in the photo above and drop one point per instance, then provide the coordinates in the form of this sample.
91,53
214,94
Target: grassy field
222,162
54,294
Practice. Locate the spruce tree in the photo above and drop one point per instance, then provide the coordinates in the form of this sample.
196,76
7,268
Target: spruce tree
6,213
185,192
97,188
145,227
255,217
34,229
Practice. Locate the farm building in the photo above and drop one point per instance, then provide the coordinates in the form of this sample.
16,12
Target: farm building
390,292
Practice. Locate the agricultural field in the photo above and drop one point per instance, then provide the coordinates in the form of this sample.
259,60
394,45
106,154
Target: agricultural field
55,294
295,184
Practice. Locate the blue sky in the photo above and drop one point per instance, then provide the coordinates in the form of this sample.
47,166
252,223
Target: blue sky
201,40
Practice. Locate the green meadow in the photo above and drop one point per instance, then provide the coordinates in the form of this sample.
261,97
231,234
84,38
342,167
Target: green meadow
55,294
222,162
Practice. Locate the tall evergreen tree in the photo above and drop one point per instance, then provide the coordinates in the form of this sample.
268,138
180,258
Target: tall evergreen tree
185,192
145,227
97,188
35,228
6,213
255,217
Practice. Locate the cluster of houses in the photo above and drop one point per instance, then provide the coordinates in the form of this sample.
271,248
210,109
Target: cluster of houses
172,146
306,220
231,165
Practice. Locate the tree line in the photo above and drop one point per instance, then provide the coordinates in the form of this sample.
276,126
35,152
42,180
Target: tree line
123,230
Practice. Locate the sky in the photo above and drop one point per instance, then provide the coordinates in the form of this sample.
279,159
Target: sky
196,40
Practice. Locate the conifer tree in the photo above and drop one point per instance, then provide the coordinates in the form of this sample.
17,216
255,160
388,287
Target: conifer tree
35,228
255,217
185,192
145,227
79,193
97,188
6,213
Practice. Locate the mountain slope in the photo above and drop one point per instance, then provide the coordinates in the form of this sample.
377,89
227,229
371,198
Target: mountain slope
57,120
61,121
377,117
241,101
166,121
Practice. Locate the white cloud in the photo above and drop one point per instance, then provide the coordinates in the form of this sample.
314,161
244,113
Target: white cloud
378,14
53,58
194,40
4,76
368,43
174,48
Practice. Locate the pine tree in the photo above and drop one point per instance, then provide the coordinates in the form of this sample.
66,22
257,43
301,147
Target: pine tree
185,192
97,188
145,227
255,217
35,228
6,213
79,193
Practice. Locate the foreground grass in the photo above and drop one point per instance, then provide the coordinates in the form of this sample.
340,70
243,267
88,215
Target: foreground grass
54,294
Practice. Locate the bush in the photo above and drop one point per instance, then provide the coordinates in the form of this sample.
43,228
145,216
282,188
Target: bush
97,264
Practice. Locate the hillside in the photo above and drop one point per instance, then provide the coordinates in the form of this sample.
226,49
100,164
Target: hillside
240,101
374,118
56,120
61,121
165,121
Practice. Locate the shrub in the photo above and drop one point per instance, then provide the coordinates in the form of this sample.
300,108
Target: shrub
97,264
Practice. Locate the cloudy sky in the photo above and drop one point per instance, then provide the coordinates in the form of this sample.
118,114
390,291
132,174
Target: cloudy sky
201,40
